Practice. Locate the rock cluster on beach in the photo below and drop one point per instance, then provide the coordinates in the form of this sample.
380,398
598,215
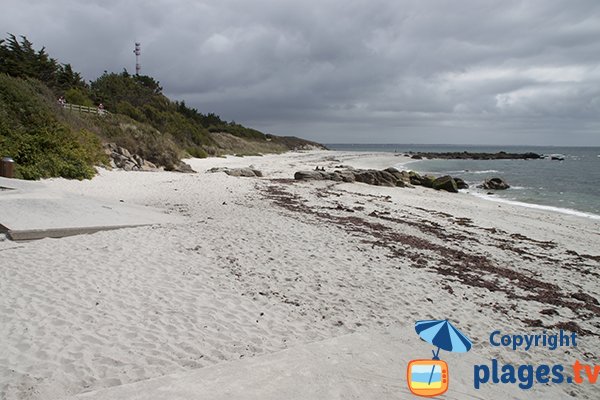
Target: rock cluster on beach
122,158
248,172
387,177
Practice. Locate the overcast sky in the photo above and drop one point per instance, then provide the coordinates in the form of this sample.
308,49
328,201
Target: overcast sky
373,71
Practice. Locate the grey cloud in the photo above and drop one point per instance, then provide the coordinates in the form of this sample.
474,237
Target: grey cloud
350,71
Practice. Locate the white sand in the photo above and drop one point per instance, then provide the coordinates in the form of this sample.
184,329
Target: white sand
246,276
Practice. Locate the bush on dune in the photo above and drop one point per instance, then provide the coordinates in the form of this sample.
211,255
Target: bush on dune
41,146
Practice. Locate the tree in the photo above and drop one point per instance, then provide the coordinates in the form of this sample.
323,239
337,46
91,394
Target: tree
19,59
149,82
67,79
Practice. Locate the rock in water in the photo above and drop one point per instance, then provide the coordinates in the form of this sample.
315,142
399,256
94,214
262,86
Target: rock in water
495,184
446,183
460,184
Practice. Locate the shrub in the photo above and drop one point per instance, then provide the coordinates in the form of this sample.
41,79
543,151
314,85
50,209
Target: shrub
41,146
126,108
78,96
197,152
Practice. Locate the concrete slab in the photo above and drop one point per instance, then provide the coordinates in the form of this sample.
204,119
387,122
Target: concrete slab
31,210
356,366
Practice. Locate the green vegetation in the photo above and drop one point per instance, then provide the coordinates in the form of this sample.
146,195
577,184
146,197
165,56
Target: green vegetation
40,144
20,60
46,140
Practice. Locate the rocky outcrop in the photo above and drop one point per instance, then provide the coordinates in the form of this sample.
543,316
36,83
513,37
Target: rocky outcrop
461,184
414,178
183,167
387,177
446,183
428,180
310,176
248,172
494,184
317,175
120,157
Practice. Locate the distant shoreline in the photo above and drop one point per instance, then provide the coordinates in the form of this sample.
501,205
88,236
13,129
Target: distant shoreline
535,184
564,185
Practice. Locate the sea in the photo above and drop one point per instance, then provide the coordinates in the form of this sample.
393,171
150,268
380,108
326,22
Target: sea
571,186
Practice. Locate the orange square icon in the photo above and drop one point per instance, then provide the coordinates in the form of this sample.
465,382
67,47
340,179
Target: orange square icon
427,378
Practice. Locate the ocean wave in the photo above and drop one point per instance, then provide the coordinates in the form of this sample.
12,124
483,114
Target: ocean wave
402,166
405,164
560,210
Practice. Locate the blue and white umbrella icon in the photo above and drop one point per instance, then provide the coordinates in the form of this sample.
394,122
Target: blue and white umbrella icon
444,335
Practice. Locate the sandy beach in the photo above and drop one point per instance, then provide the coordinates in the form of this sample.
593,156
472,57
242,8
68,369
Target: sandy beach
260,265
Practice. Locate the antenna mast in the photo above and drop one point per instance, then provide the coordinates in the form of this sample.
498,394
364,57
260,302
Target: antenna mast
137,51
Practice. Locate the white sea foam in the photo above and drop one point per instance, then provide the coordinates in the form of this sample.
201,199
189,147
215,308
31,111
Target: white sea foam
405,165
538,206
402,166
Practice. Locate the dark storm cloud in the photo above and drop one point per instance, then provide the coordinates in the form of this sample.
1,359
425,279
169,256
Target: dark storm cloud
350,71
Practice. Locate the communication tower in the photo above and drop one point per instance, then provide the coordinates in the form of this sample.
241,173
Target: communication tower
137,51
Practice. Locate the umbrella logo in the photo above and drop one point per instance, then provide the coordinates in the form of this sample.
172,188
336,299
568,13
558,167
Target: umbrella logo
430,378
